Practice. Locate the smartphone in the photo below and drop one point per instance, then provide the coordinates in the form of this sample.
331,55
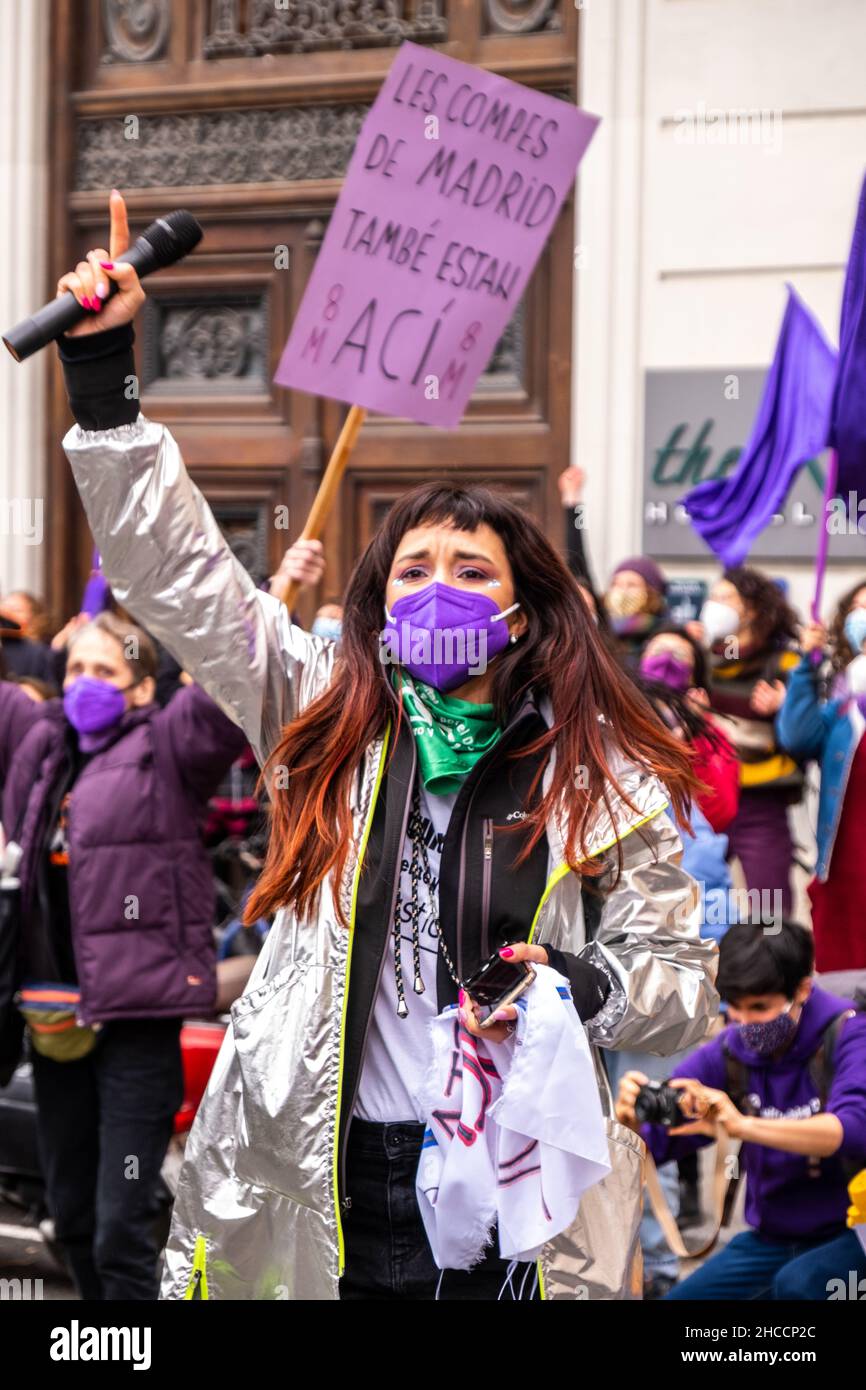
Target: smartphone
498,983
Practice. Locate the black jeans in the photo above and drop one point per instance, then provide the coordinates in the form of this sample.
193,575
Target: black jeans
104,1123
387,1251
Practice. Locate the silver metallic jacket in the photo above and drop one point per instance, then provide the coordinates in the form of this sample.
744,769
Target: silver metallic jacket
257,1214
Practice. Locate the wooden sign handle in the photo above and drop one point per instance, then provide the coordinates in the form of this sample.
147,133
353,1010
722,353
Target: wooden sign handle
327,493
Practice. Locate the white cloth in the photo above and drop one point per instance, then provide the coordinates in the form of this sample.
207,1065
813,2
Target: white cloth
515,1132
397,1058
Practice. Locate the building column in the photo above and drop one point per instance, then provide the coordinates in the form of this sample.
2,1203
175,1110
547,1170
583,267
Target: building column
23,211
606,391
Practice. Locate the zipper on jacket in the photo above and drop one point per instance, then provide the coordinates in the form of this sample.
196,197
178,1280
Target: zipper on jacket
197,1286
340,1155
828,854
559,872
67,780
347,1201
486,882
83,1019
461,883
487,865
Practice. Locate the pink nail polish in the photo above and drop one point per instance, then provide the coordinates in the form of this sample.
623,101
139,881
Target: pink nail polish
506,952
107,265
87,301
461,998
101,291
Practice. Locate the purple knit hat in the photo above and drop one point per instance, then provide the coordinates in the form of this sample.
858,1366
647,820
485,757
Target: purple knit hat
648,571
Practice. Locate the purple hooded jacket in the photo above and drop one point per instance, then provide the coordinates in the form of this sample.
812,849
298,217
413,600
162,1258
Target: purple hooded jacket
141,892
17,713
782,1200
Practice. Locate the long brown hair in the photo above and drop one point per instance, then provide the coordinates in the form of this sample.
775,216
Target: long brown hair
775,622
840,647
560,655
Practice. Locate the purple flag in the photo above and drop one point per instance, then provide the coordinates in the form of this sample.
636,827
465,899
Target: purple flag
97,594
790,427
848,423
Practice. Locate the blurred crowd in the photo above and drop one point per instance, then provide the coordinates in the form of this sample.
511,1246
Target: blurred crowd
760,693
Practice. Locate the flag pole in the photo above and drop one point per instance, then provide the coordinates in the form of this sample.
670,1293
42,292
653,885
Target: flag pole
328,487
824,537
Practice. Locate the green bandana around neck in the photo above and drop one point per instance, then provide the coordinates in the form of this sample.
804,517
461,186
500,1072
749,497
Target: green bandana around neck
450,734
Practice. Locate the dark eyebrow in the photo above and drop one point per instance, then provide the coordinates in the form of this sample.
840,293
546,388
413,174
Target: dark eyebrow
458,555
415,555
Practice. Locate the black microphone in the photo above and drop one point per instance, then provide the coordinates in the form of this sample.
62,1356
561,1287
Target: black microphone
165,241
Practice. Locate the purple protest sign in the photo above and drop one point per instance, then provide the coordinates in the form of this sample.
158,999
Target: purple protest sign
454,187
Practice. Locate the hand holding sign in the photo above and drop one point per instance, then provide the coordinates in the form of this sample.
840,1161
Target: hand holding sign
454,186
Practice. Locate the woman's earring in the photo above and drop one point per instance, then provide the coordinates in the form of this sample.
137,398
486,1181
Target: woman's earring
513,637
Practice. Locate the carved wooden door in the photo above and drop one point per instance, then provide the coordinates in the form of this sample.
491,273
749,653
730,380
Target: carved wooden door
246,112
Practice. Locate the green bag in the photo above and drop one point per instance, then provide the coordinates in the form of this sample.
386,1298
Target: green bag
51,1013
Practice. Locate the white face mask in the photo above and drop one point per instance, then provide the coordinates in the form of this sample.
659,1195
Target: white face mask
719,620
855,675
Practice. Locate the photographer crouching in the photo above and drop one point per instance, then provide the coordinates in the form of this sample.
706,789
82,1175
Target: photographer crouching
787,1078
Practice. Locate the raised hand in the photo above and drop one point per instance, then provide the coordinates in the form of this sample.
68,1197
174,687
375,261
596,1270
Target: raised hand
89,280
570,483
813,637
303,563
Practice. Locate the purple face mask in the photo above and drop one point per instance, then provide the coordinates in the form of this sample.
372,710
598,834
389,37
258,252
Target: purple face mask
92,706
444,635
767,1038
667,668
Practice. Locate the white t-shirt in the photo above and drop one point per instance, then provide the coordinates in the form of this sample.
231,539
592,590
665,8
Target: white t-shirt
399,1050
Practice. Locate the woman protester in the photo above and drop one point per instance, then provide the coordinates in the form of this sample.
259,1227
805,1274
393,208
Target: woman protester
104,796
635,604
750,630
505,766
830,731
674,676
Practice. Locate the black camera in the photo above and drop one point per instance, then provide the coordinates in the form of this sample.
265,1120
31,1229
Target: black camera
657,1103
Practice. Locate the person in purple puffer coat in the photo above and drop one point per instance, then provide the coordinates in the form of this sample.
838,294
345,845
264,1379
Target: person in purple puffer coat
105,792
797,1056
